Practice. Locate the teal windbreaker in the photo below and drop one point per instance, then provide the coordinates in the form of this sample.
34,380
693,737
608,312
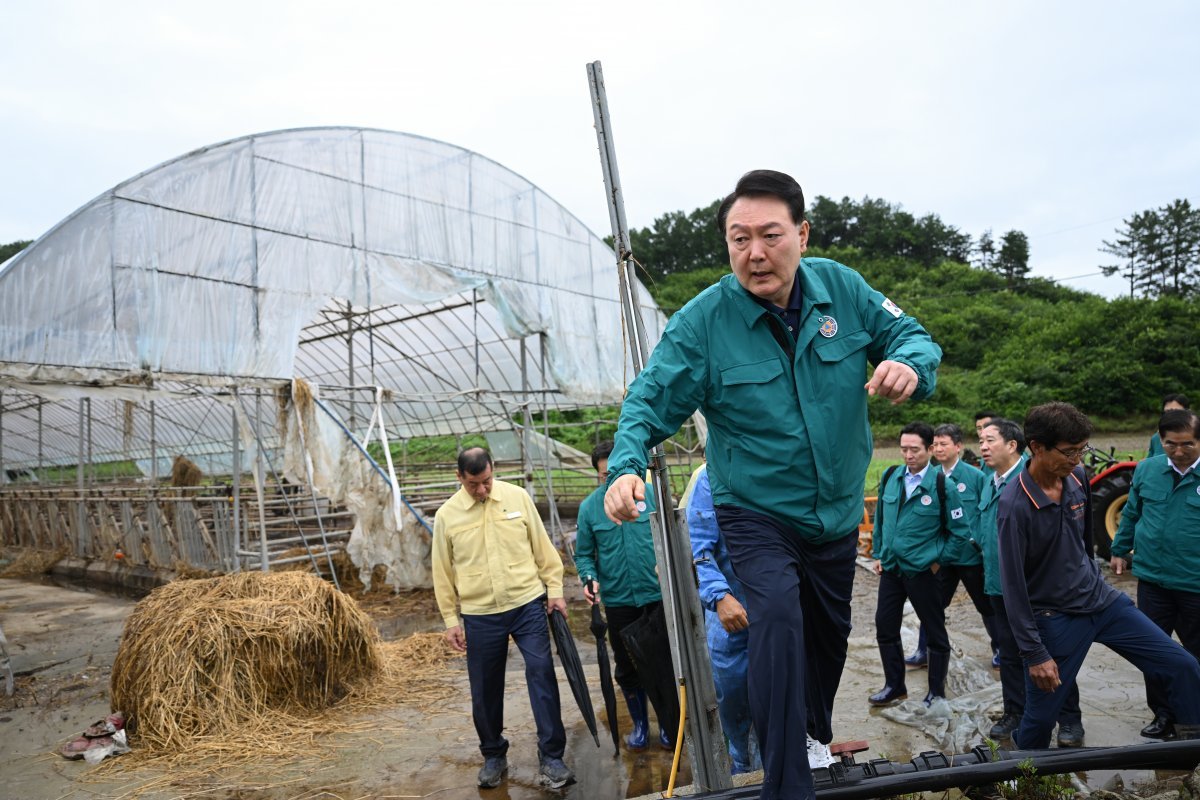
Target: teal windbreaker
787,432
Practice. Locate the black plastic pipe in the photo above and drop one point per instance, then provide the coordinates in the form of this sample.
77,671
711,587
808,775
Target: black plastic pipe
933,771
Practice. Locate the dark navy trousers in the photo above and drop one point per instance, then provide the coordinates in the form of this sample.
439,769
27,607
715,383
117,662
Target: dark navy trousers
1012,671
1130,634
798,601
1173,611
487,657
924,591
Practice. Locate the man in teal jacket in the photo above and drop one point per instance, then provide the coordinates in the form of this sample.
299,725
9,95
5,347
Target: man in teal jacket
961,563
618,561
1160,527
776,357
917,525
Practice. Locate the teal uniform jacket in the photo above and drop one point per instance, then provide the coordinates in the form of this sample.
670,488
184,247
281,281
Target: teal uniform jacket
986,528
787,433
1155,448
619,557
968,482
1160,525
908,535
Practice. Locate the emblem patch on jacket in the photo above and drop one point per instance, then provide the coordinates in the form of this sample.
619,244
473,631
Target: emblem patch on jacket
891,308
828,327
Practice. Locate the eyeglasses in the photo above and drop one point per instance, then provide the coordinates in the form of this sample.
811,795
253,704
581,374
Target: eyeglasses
1169,445
1075,455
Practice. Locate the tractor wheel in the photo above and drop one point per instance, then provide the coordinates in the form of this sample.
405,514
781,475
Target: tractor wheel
1109,494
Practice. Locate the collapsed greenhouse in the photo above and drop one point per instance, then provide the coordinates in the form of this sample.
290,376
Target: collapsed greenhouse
281,314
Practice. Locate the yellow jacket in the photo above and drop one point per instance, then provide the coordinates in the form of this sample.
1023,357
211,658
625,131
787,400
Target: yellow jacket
493,556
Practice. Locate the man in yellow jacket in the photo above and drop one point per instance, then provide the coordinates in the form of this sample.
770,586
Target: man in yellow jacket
494,564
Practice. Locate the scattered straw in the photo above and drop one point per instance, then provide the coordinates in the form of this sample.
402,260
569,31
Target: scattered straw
419,674
31,562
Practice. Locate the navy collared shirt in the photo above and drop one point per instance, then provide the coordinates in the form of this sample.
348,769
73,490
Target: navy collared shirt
790,316
1046,563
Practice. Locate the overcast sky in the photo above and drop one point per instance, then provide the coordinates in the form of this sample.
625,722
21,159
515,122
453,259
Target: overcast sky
1055,118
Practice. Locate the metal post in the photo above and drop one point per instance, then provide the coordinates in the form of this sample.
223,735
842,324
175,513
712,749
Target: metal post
153,448
685,624
91,464
1,438
526,421
260,485
39,416
237,489
555,522
80,444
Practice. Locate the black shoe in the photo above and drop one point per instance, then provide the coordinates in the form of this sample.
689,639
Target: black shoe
1070,734
554,773
1160,728
1005,727
492,772
918,659
930,697
887,696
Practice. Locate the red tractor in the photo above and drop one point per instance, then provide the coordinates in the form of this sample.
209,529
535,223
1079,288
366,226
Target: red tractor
1110,480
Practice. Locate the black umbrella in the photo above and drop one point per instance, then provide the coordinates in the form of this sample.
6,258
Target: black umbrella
599,629
650,648
569,656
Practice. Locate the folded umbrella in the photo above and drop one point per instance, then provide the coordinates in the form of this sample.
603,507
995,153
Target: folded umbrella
568,655
599,629
650,648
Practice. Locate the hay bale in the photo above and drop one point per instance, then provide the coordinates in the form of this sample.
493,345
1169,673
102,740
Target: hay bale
203,658
185,473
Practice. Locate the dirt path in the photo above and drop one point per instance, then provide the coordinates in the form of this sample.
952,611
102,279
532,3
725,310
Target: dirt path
64,641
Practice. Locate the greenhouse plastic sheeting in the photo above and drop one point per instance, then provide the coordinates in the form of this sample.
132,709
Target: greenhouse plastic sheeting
341,255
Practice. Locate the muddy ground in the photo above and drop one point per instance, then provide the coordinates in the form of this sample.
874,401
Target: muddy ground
63,641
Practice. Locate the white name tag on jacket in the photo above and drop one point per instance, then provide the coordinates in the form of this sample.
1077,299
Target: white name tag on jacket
513,515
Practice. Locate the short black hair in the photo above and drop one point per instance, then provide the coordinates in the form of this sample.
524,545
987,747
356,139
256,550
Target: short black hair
1176,398
986,415
1009,431
1179,419
949,429
602,450
764,183
1051,423
474,460
922,429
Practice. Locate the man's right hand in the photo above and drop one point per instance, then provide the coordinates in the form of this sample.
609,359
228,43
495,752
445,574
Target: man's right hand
1045,676
622,497
877,567
457,638
1117,563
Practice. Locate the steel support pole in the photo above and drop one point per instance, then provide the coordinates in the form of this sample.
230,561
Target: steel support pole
260,482
153,448
526,421
685,617
236,559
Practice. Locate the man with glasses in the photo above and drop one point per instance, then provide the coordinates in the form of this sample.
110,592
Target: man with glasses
1057,601
1160,527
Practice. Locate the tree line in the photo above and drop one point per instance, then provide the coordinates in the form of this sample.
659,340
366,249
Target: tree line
1158,251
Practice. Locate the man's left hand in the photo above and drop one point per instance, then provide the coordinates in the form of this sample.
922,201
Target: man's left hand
556,603
892,380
